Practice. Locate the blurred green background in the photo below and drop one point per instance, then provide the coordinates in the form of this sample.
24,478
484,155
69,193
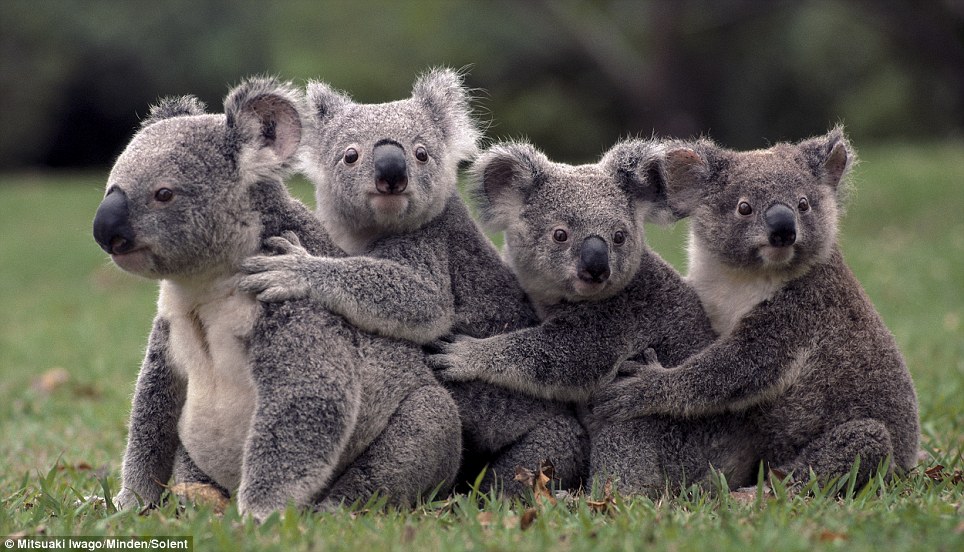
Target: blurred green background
571,76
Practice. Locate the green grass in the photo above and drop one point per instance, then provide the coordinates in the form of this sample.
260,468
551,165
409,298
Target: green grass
65,307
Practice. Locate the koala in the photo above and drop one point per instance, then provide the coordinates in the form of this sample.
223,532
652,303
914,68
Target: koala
802,351
574,237
419,266
277,403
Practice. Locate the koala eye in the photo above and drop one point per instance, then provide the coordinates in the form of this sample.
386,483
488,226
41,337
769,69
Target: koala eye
421,154
804,205
744,209
164,195
619,237
351,155
560,235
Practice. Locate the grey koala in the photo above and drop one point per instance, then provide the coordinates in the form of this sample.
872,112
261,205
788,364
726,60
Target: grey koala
802,350
574,236
385,176
280,403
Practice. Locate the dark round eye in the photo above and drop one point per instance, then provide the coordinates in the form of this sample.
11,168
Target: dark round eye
164,195
560,235
744,208
421,154
804,205
351,155
619,237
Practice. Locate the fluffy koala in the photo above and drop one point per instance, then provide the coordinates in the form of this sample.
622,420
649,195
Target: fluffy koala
280,403
385,176
574,236
802,350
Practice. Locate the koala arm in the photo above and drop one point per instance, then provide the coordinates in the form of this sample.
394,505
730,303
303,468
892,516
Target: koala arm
564,358
409,298
755,363
152,439
308,399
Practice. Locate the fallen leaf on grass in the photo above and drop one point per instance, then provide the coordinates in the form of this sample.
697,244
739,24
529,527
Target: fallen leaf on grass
960,528
538,481
51,380
831,536
528,518
937,473
484,519
201,494
607,503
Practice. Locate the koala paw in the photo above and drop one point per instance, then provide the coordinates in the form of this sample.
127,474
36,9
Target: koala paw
276,278
450,358
127,500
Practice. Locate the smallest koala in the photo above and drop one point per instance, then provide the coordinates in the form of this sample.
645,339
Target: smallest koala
802,351
281,403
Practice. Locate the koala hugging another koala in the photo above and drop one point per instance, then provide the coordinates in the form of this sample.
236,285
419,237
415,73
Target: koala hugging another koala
277,403
574,236
420,267
802,352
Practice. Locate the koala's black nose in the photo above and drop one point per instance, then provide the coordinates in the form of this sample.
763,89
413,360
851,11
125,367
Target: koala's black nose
593,260
112,225
782,224
391,174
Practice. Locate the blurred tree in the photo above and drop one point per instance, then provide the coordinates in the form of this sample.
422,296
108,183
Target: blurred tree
572,76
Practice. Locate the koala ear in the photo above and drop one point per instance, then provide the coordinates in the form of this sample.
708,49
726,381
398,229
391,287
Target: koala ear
266,115
686,167
446,97
635,164
502,178
829,157
176,106
324,101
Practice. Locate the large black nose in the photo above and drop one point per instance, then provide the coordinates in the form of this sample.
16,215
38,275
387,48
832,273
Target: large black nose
112,225
391,174
782,224
593,260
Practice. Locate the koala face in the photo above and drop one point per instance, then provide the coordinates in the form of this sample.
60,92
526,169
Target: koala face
177,203
387,168
571,232
772,210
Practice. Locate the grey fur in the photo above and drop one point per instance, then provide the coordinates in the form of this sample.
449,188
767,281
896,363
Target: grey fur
587,331
422,267
279,403
803,353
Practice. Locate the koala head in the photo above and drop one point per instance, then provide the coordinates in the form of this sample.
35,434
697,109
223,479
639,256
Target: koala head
386,168
178,198
571,232
773,210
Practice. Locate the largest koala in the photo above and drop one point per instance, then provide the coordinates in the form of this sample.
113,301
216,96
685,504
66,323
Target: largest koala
279,403
574,235
385,176
802,350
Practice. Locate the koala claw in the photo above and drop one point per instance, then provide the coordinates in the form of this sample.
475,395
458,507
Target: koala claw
286,244
126,500
275,286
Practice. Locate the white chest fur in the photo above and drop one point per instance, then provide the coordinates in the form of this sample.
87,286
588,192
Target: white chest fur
209,325
728,294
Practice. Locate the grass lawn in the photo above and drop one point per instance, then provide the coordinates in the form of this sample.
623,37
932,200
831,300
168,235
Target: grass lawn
73,330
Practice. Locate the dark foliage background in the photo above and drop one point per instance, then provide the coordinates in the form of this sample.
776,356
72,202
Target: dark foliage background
571,76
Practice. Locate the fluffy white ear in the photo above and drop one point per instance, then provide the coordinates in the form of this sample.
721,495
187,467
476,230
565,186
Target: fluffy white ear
636,166
686,168
830,157
443,92
502,178
265,114
324,101
177,106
